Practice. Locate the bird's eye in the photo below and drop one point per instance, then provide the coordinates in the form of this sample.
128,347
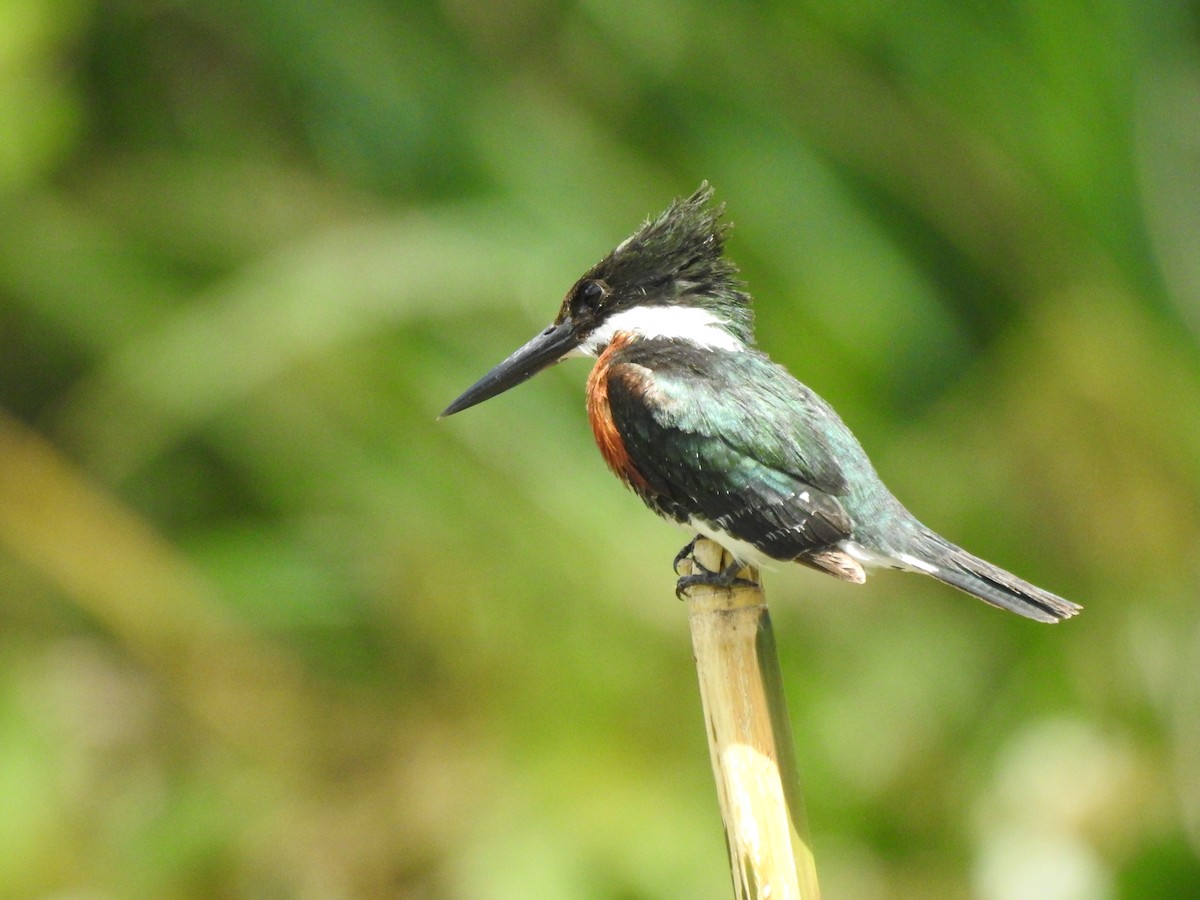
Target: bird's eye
592,293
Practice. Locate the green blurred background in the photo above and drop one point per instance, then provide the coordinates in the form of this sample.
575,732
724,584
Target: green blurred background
268,629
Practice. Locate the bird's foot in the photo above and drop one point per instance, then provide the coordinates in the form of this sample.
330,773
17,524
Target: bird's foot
725,578
685,553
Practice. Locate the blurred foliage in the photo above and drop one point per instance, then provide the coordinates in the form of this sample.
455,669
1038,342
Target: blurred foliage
268,629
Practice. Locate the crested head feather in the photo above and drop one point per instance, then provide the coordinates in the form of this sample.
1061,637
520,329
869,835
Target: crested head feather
677,259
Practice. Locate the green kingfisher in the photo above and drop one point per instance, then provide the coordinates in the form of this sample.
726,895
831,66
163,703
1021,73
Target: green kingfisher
713,435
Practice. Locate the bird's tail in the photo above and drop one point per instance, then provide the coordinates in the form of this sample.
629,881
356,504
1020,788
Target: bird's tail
991,584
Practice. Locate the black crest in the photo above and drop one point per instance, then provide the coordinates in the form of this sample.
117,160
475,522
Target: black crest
677,259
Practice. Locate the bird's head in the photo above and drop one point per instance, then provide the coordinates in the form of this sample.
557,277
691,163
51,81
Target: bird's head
669,280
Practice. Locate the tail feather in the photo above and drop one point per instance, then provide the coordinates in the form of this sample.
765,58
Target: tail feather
991,584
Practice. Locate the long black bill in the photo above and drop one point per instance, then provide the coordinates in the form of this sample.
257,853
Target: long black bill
543,351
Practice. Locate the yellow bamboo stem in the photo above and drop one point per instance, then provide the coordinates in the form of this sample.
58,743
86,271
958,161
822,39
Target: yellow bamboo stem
750,740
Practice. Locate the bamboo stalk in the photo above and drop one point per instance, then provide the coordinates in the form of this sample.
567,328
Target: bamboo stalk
750,740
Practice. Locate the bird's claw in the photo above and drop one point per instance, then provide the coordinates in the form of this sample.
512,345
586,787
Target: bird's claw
685,553
725,578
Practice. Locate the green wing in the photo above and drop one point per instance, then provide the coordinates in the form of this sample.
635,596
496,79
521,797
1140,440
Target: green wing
734,439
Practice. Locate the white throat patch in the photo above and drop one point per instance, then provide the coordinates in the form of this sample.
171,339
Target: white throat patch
684,323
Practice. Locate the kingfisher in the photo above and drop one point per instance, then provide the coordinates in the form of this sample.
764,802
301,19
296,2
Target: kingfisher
712,434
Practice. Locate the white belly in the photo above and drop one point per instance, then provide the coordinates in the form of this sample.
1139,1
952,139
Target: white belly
748,553
744,552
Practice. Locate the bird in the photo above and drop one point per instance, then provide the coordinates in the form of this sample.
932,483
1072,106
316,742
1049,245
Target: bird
713,435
